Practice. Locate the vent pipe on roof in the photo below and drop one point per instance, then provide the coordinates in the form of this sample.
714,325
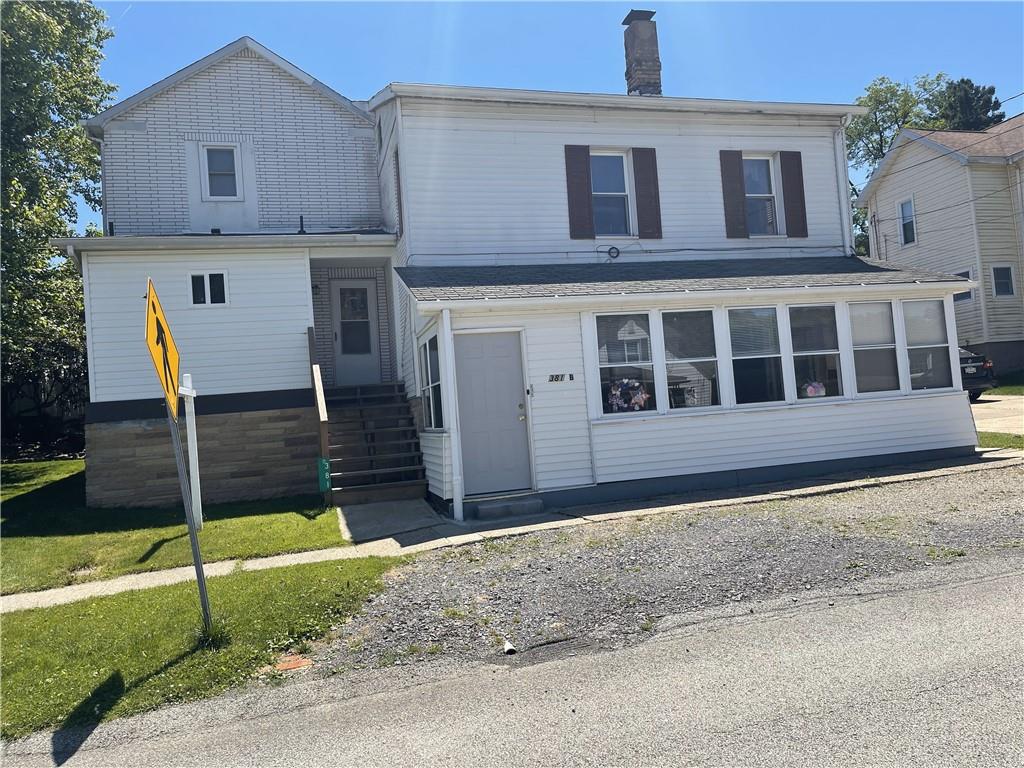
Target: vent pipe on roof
643,65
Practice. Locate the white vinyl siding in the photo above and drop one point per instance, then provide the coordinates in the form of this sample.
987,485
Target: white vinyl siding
486,183
437,461
255,343
996,220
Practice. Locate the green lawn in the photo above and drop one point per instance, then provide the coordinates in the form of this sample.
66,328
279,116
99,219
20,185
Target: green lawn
1000,440
50,538
1009,384
95,660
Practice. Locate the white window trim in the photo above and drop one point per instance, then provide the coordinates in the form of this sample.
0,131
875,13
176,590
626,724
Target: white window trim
902,362
665,362
785,353
205,173
838,351
205,274
1013,280
970,291
913,218
775,174
660,381
423,382
951,344
627,170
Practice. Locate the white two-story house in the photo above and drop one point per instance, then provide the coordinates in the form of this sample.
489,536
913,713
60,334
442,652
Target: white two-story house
953,201
512,298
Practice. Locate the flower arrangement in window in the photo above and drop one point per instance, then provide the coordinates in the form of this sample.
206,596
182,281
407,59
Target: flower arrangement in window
627,395
813,389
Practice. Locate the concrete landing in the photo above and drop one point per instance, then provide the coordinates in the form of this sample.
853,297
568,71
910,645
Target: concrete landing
385,519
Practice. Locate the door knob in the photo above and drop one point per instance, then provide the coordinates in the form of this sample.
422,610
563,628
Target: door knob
522,417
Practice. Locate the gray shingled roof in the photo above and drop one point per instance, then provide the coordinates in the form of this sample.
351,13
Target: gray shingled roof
549,280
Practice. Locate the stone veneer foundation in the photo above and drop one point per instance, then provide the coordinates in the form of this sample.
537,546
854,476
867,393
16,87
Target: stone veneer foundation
251,455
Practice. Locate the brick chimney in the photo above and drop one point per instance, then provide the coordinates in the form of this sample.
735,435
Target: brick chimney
643,66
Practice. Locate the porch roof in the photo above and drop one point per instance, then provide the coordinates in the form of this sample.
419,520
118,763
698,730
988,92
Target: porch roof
539,281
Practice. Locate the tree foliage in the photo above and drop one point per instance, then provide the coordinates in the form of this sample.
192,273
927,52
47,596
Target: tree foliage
964,106
51,52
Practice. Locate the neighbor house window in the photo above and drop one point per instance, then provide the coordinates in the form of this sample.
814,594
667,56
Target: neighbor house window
758,181
908,228
220,168
756,357
963,295
690,360
609,197
430,384
1002,281
208,288
927,344
624,357
874,347
815,351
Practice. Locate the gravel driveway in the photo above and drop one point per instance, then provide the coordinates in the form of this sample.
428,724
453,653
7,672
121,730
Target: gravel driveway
607,585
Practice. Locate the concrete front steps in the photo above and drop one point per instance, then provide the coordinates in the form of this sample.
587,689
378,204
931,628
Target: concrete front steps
374,447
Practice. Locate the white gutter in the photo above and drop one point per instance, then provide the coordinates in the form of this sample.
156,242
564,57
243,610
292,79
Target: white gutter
609,100
745,295
214,242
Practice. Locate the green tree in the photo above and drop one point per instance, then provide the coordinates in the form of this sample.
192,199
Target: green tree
51,52
861,240
891,107
964,106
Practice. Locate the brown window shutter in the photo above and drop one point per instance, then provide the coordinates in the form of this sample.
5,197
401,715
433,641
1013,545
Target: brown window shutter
793,193
648,200
733,193
577,182
398,197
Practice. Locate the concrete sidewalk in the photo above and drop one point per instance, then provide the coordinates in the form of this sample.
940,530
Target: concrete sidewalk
393,529
999,413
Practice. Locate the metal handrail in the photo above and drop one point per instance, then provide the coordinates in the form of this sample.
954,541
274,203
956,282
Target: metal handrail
316,381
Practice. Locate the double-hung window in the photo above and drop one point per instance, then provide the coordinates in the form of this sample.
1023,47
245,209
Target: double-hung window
609,194
815,351
208,288
759,184
756,356
874,347
1002,280
626,365
430,384
221,173
927,344
963,295
908,225
691,366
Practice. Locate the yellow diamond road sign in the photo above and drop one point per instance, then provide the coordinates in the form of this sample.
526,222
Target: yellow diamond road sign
162,348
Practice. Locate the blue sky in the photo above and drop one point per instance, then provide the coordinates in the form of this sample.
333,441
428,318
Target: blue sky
766,50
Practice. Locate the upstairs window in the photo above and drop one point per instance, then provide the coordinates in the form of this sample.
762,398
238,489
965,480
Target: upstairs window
221,173
759,185
208,288
609,195
908,227
1002,280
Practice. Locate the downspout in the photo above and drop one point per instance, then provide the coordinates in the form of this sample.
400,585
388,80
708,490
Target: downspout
843,183
448,390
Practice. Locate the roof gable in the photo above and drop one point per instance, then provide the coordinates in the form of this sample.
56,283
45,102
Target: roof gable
95,124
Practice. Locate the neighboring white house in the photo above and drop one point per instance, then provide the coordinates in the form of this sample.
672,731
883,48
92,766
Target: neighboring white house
579,296
953,201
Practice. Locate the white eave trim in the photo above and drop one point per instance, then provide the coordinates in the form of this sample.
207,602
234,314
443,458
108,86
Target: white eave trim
78,245
94,125
745,295
608,100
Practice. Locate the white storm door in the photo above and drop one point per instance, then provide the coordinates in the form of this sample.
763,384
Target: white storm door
356,342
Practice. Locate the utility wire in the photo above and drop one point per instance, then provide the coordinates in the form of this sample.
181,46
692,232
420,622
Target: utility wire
947,207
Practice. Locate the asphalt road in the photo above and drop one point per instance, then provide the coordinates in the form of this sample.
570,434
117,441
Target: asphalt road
921,668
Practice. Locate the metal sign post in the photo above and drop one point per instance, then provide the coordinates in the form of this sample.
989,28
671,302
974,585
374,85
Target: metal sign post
166,361
192,442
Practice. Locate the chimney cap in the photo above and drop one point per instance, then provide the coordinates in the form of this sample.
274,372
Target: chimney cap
635,15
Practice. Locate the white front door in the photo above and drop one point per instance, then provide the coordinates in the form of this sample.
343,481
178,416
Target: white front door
492,412
356,343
